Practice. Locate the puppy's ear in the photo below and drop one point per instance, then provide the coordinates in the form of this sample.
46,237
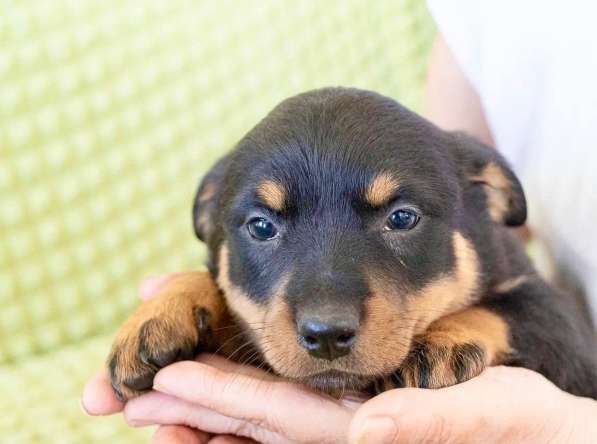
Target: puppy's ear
205,206
484,166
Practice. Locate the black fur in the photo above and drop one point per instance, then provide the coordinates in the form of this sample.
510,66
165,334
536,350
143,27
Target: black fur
325,147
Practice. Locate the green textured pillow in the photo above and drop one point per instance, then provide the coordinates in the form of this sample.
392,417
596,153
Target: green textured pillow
110,111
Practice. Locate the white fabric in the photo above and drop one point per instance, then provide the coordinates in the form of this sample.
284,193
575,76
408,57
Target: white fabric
534,66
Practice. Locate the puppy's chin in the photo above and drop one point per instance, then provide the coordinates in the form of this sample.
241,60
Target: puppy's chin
338,383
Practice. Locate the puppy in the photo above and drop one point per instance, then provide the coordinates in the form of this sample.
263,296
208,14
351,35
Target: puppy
354,245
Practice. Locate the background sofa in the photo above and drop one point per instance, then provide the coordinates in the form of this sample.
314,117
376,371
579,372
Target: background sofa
110,112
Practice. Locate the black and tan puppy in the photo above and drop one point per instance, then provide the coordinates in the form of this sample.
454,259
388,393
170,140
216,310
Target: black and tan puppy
357,246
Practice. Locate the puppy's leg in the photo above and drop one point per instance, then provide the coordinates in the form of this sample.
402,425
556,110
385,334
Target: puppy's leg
523,322
550,332
181,320
456,348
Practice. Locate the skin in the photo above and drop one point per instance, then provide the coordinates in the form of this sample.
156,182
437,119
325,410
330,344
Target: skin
450,100
219,397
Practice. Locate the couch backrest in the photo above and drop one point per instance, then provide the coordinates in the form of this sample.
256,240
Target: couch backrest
110,111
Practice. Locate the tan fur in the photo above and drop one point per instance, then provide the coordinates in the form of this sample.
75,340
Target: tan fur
279,341
384,339
174,324
473,326
273,194
381,189
497,187
451,292
238,302
208,193
251,314
510,284
204,222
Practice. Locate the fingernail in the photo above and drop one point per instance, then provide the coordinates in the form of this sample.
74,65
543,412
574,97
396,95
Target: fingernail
157,386
378,430
83,408
139,423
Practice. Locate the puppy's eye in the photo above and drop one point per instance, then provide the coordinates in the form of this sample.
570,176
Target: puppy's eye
262,229
402,220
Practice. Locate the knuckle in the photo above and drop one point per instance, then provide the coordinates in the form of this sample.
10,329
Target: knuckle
130,416
438,431
247,429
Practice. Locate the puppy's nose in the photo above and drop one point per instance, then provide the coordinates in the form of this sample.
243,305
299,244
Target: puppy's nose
327,340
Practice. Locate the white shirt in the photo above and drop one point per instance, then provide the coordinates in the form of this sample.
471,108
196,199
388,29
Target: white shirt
534,65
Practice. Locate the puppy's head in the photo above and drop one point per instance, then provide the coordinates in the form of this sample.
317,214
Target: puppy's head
343,224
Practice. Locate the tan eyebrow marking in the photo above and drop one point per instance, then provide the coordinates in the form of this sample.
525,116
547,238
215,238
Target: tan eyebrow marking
511,284
273,194
381,189
497,188
209,192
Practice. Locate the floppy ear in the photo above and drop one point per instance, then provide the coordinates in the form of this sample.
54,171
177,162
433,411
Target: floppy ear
484,166
205,206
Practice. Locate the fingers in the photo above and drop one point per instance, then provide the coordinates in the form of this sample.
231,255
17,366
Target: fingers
158,408
229,366
150,286
176,434
228,439
269,405
98,396
486,409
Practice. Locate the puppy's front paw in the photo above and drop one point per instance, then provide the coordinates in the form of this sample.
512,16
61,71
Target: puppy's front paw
149,342
438,361
175,325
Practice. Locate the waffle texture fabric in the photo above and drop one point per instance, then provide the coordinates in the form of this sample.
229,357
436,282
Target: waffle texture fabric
110,112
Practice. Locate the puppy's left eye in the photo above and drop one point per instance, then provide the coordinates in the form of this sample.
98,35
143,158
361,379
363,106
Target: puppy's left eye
402,219
262,229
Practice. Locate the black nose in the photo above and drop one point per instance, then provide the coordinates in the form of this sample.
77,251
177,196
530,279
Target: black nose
327,340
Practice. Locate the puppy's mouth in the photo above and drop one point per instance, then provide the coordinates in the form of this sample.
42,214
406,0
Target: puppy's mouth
337,382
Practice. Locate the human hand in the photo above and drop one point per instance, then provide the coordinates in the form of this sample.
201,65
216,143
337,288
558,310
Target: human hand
223,397
227,399
501,405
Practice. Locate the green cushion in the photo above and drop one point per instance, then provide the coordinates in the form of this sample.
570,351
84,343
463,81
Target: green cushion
41,395
110,112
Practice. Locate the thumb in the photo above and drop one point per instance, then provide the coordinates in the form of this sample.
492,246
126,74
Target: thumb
498,406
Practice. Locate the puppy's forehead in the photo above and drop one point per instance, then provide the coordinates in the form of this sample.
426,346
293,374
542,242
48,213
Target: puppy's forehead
342,143
314,177
376,191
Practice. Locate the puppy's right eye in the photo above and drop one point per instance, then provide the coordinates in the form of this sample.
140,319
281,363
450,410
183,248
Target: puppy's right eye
402,219
262,229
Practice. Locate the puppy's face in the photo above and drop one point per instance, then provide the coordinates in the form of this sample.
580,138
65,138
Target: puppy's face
342,225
